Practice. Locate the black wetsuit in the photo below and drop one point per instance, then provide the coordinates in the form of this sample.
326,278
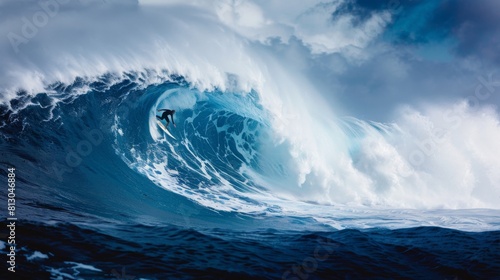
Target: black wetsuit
165,115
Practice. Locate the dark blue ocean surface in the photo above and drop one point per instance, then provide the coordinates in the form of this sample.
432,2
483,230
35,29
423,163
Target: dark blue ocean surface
102,193
72,251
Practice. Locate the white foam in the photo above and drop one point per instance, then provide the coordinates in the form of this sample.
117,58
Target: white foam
37,255
59,273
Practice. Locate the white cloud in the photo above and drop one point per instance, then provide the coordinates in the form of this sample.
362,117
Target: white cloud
312,22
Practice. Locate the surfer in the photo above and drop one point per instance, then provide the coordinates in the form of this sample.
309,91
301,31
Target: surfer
165,115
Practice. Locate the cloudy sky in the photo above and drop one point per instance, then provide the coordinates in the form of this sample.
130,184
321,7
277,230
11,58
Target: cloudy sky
429,51
371,55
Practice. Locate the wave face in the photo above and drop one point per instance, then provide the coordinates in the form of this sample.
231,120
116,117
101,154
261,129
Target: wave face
218,136
229,155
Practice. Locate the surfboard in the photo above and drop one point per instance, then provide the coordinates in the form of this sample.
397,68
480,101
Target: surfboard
164,128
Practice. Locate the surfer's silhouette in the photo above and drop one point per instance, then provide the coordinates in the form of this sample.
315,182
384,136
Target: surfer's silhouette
165,115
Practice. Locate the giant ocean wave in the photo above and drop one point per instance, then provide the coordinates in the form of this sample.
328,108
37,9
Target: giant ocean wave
253,135
232,153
